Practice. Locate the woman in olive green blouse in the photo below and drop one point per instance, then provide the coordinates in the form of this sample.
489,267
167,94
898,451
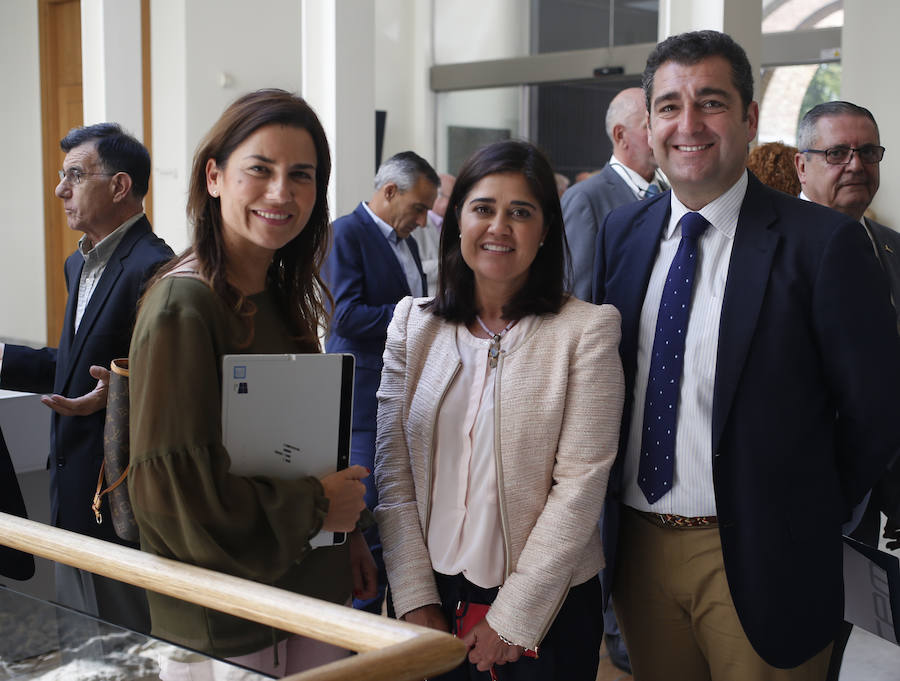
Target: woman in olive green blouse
248,284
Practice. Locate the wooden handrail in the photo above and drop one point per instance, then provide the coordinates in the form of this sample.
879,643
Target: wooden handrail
391,650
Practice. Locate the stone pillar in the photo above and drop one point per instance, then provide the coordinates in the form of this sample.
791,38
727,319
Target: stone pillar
111,63
339,82
868,43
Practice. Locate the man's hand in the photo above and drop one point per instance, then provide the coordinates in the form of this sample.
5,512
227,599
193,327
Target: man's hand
428,616
85,405
362,566
892,533
487,649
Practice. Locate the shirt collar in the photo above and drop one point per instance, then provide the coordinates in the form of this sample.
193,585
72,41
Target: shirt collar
635,180
722,212
103,249
387,231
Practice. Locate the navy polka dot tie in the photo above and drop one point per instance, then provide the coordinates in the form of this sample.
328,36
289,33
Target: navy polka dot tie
657,464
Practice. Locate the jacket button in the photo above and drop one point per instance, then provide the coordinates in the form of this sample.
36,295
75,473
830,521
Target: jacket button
60,462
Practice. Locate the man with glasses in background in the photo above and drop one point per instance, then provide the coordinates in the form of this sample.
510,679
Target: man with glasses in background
104,179
838,167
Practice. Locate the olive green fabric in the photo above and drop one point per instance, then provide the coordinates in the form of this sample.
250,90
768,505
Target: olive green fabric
187,504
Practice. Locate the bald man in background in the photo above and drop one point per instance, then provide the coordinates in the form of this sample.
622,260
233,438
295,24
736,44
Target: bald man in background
629,176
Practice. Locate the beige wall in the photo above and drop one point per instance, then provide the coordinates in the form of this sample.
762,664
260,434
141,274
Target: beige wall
206,53
869,54
22,286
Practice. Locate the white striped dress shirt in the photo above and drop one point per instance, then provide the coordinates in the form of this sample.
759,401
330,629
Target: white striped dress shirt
692,489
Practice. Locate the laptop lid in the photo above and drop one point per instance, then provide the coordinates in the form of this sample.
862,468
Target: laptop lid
288,416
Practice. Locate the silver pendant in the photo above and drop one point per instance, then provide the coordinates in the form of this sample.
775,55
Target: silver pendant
494,351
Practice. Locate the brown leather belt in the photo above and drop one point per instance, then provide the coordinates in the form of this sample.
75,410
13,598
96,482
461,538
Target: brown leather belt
679,521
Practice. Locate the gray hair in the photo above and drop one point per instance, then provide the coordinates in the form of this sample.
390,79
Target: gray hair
806,131
403,170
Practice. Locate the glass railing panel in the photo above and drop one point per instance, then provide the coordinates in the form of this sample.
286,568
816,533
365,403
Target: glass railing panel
43,641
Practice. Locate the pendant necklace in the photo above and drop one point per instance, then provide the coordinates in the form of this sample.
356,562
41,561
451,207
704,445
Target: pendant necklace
494,348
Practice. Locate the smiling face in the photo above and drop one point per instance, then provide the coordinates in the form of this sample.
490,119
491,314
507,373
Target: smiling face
266,189
698,129
847,188
501,227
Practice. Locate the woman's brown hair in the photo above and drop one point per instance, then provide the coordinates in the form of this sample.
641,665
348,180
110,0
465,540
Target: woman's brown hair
294,275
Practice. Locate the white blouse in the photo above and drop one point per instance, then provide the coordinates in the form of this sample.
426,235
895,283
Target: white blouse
464,531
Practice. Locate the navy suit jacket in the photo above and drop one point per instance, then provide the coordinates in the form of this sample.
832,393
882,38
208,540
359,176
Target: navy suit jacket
886,495
366,280
805,415
76,442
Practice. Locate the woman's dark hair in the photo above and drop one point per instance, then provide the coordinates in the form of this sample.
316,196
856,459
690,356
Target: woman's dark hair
294,275
544,290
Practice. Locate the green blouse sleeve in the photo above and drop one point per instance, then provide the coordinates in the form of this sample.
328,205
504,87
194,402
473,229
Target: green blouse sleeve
187,504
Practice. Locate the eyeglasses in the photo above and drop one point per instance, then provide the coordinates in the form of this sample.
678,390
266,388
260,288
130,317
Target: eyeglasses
839,156
74,176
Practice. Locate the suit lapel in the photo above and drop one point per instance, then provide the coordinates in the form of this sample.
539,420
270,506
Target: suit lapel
636,259
887,244
107,283
386,253
73,267
617,185
748,276
414,249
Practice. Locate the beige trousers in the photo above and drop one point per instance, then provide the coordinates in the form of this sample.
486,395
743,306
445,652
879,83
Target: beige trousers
675,610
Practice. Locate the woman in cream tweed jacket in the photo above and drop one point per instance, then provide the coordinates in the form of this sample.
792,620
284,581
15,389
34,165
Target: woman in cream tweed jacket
551,403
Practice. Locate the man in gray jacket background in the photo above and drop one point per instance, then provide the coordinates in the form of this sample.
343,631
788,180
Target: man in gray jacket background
629,176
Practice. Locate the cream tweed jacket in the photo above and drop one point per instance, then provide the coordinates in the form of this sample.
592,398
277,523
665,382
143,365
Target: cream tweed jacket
558,405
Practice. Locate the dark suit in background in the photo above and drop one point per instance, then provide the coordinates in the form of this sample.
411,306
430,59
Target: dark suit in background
76,442
13,564
367,281
886,493
585,205
804,414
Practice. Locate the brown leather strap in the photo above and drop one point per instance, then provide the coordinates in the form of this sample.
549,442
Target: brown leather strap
98,495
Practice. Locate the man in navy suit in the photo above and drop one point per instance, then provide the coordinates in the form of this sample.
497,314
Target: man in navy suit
726,562
102,186
838,167
372,266
629,176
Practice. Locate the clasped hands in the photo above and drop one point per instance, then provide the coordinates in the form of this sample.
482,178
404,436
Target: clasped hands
486,648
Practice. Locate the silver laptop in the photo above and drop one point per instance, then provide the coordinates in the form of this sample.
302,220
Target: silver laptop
287,416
